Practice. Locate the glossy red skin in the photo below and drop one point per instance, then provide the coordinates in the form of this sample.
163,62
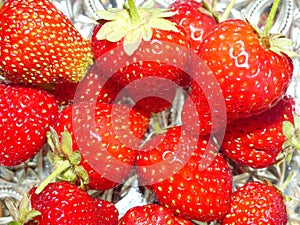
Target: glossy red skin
104,136
165,66
63,203
94,87
196,24
256,203
199,181
40,45
256,141
151,214
25,117
252,78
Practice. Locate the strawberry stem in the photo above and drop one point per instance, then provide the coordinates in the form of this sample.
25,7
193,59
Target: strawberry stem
64,166
227,11
270,18
136,19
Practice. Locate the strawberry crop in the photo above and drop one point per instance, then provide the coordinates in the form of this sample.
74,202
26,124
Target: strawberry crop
233,112
25,117
64,203
256,203
40,45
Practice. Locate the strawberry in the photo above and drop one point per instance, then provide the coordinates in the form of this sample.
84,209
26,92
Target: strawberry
40,45
65,203
252,72
92,87
151,214
196,23
256,141
102,138
186,174
256,203
143,51
25,117
204,111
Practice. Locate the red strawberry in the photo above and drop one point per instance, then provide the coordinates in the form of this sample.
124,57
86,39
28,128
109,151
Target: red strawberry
253,74
106,137
151,215
187,175
94,86
256,141
196,23
25,117
40,45
63,203
256,203
144,52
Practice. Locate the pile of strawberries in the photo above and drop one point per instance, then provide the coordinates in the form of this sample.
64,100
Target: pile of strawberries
68,93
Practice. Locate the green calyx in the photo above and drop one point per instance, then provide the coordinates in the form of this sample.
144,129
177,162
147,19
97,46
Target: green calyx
292,133
277,43
22,212
65,161
134,24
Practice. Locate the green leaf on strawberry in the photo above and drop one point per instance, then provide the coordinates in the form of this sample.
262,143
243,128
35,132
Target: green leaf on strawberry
66,162
292,133
134,24
21,212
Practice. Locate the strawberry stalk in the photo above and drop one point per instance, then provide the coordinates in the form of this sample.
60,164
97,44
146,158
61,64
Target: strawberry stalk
211,10
63,167
271,18
66,161
136,19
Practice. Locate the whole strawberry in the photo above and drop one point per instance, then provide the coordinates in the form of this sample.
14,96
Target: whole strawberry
96,143
25,117
187,175
40,45
151,214
144,51
256,203
256,141
252,71
62,203
196,23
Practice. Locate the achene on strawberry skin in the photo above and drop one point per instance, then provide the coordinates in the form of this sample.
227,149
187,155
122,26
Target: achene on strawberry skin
256,203
40,45
256,141
25,117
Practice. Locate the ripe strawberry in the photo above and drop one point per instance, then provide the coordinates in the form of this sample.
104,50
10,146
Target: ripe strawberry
151,214
25,117
64,203
256,141
40,45
94,86
187,175
256,203
196,23
144,52
253,74
103,137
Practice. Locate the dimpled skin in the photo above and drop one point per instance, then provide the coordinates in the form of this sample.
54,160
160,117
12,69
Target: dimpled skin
151,214
25,117
63,203
256,141
252,78
256,203
38,44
